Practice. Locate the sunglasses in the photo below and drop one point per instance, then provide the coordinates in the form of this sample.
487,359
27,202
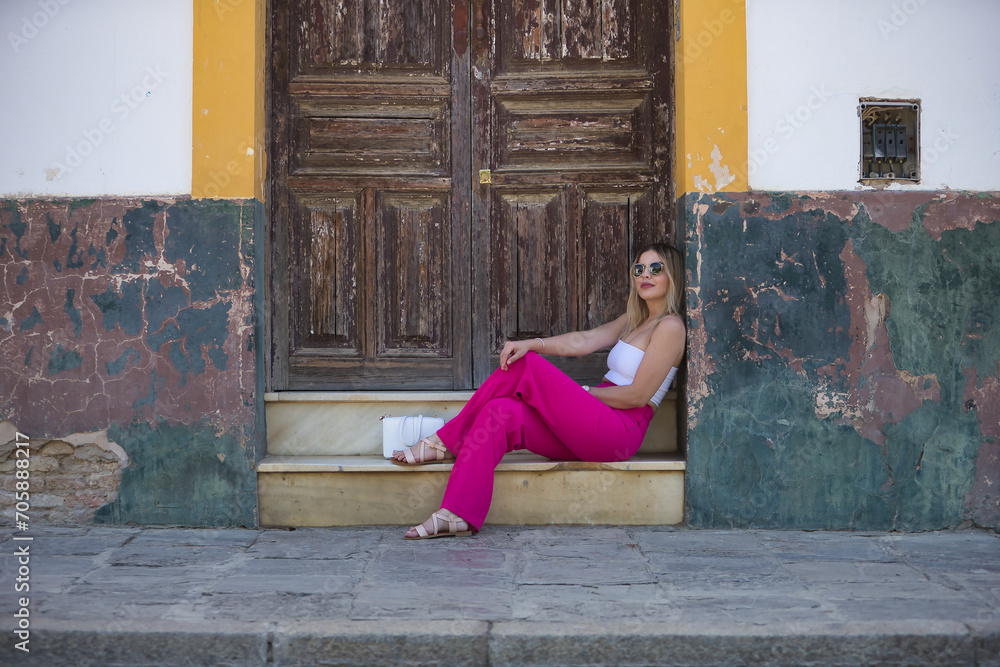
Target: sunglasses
655,269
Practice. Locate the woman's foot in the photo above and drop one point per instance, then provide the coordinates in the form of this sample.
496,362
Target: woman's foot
428,450
442,523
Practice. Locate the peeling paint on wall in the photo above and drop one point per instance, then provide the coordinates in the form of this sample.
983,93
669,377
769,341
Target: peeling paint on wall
70,476
983,397
844,364
130,314
720,172
883,394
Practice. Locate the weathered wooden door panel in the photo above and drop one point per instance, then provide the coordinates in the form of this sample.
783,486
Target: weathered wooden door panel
551,129
352,37
392,267
334,309
370,210
531,230
413,295
570,113
553,34
613,223
400,135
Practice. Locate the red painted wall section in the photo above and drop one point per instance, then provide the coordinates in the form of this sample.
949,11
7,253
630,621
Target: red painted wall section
107,321
123,317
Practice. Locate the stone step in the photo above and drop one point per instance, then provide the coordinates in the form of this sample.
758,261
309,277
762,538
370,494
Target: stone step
324,467
528,489
313,423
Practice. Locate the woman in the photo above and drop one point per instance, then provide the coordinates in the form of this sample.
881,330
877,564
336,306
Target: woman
529,404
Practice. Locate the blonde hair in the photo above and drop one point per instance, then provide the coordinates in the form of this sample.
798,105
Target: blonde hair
637,310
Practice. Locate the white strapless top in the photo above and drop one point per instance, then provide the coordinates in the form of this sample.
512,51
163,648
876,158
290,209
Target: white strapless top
623,363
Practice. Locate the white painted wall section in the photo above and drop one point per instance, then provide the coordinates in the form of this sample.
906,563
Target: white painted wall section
98,97
809,63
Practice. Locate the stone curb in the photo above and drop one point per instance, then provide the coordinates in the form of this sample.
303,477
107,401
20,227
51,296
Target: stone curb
144,644
473,643
917,643
459,643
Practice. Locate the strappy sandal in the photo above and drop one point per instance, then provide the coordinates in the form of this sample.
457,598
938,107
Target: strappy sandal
441,454
439,520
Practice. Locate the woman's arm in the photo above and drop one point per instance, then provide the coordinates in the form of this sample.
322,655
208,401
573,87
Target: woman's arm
666,347
573,344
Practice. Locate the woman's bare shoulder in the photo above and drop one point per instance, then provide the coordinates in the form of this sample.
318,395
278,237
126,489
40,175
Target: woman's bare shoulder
670,338
671,325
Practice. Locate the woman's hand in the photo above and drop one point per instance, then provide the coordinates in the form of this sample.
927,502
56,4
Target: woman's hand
515,349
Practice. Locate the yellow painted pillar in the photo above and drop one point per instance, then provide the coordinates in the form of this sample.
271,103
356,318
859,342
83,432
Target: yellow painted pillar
227,153
711,96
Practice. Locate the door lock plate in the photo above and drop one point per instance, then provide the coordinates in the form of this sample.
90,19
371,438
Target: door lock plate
485,176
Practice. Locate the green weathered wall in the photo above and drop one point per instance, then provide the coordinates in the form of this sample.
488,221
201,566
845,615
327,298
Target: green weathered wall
843,360
139,318
188,474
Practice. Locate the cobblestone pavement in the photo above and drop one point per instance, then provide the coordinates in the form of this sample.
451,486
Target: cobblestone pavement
509,595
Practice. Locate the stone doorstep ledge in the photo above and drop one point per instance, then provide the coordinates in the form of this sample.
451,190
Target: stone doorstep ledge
516,462
380,396
469,642
528,490
349,423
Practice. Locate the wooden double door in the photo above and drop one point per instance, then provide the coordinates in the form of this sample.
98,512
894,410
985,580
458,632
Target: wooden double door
448,174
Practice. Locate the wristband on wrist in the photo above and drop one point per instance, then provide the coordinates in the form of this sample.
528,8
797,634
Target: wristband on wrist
542,342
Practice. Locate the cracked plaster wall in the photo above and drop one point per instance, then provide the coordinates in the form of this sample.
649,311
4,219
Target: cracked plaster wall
73,476
136,318
844,355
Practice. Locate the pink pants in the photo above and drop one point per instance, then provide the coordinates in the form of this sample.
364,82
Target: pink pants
534,406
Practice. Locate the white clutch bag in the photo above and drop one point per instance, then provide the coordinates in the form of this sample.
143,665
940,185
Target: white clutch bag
401,432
